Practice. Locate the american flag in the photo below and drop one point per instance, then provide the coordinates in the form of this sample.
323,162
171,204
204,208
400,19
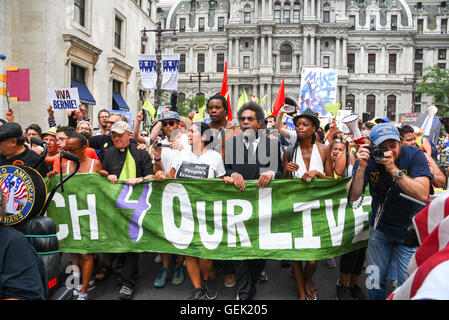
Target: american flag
16,185
428,269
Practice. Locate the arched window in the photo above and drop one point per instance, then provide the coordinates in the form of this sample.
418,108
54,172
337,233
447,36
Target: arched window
350,102
296,11
391,107
286,56
277,11
371,105
326,12
286,17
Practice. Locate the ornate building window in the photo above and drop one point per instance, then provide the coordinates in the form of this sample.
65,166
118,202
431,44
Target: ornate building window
326,12
350,102
326,62
80,8
352,22
286,56
296,11
371,105
392,63
371,63
391,107
444,25
418,69
277,12
221,23
247,13
351,62
286,16
418,54
182,25
420,24
246,62
201,62
220,62
201,22
182,62
442,54
394,23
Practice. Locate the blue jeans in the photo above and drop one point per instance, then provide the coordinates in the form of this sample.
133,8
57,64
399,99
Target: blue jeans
382,254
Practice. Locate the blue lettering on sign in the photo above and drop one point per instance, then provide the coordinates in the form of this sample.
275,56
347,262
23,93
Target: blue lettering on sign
317,91
147,65
63,105
170,65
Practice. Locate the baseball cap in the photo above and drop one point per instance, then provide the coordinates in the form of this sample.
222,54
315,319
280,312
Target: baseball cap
383,131
382,120
10,130
120,127
170,115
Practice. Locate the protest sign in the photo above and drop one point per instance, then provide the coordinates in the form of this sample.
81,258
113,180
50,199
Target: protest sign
287,220
64,99
318,87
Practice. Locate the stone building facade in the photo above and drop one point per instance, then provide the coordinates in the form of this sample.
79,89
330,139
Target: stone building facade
92,42
380,48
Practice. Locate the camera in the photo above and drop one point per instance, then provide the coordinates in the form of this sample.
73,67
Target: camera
377,152
289,108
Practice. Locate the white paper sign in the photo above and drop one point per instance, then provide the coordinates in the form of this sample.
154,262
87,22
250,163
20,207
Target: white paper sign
318,87
64,99
170,71
148,75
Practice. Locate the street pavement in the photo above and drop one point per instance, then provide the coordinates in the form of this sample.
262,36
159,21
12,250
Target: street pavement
280,286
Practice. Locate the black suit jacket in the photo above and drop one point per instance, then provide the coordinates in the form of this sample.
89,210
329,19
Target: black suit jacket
267,158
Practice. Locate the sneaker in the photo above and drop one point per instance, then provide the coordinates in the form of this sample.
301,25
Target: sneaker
125,293
263,277
229,280
158,258
161,279
357,293
178,277
197,294
91,286
343,292
209,290
331,263
82,296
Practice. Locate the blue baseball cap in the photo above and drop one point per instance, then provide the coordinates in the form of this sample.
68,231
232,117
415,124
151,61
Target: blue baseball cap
382,120
383,131
170,115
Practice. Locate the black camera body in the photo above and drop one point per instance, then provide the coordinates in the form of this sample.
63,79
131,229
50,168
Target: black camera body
377,152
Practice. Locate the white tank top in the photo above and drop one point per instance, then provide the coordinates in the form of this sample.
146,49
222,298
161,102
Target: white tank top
90,170
316,163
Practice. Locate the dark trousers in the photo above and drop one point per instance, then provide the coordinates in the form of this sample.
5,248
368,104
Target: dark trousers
246,274
130,267
352,262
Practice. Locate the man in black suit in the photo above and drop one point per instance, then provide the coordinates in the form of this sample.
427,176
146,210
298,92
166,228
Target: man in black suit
251,156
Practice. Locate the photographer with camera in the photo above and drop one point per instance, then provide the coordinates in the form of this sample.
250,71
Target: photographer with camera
390,169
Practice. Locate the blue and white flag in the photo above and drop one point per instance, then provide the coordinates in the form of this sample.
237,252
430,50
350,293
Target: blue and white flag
170,71
148,75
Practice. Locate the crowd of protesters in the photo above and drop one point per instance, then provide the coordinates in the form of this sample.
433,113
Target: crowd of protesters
310,150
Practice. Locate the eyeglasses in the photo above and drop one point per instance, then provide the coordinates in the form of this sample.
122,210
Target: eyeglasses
166,123
71,149
110,122
144,134
250,119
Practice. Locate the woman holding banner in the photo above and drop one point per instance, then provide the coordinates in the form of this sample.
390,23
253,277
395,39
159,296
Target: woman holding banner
199,163
307,160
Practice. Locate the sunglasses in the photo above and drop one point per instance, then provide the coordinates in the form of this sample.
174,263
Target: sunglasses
250,119
71,149
168,123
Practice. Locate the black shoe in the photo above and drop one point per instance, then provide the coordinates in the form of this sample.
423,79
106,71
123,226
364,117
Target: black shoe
209,290
357,293
343,292
197,294
125,293
263,277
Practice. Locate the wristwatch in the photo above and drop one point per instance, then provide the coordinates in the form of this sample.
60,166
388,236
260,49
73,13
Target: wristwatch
399,175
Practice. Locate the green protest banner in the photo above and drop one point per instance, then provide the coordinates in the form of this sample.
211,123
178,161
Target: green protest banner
287,220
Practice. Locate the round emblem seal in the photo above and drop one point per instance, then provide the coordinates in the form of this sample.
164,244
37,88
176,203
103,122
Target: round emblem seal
24,192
